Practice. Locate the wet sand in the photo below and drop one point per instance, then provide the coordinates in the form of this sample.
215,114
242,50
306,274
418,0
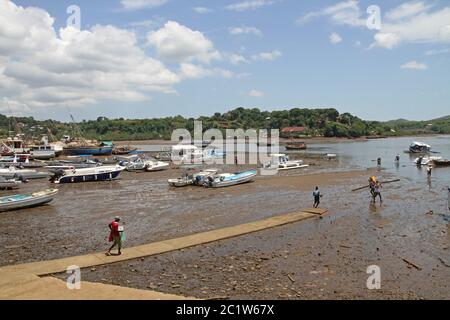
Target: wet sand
318,259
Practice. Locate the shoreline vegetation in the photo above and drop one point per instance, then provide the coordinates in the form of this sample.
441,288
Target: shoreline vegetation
311,124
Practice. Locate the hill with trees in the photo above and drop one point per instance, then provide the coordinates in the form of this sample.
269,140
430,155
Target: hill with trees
317,122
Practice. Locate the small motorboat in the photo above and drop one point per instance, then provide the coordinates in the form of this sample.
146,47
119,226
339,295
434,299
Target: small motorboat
230,179
419,147
181,182
74,175
424,161
330,156
282,162
21,201
154,165
42,152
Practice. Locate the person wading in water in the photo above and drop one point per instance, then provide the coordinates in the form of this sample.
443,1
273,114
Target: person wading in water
115,236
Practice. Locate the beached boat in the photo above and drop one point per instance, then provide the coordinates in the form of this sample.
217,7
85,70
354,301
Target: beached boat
73,175
21,201
424,161
419,147
231,179
296,146
155,165
181,182
9,184
282,162
123,150
441,162
201,177
12,146
25,174
44,152
88,150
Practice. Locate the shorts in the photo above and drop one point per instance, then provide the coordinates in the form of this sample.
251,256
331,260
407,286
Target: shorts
316,199
117,240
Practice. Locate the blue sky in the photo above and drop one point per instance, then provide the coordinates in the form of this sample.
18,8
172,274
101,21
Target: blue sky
271,54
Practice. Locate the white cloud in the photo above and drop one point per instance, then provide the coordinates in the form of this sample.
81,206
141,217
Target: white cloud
249,5
414,65
407,10
335,38
202,10
245,30
346,13
271,56
42,68
386,40
256,93
178,43
191,71
434,52
237,59
141,4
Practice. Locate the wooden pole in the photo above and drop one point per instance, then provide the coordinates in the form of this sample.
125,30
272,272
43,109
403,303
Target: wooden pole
383,182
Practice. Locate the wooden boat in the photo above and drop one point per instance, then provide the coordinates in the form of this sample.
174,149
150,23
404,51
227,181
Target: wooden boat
88,150
21,201
73,175
231,179
441,163
123,150
296,146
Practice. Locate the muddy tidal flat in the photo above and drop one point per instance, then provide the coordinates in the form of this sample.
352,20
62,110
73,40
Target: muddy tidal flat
407,235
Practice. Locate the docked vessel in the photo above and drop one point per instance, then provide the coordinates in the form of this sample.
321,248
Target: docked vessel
419,147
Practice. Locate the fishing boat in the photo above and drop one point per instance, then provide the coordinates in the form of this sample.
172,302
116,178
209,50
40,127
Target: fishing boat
282,162
74,175
296,146
231,179
26,174
154,165
136,163
88,150
419,147
424,161
21,201
11,146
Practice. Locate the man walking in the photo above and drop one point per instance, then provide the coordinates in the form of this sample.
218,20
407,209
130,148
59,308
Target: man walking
317,195
115,236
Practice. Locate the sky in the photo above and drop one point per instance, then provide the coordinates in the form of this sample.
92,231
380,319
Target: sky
376,59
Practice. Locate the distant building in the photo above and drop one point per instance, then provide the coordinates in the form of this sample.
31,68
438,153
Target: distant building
293,131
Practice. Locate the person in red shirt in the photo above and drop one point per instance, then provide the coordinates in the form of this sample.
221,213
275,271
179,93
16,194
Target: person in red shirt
115,236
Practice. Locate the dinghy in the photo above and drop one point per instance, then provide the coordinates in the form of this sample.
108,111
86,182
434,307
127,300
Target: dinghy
231,179
73,175
154,165
21,201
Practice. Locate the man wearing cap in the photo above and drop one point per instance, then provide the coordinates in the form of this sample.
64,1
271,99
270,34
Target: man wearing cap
115,236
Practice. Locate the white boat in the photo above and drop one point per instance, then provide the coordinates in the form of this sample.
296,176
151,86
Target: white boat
281,162
44,152
21,201
189,154
419,147
74,175
330,156
154,165
231,179
181,182
424,161
9,184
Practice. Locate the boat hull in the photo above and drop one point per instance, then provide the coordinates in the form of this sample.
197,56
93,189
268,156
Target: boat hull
245,178
32,200
95,151
87,175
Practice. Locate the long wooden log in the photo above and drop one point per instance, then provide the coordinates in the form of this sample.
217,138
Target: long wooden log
382,182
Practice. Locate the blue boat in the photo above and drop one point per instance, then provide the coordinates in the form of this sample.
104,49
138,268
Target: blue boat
86,150
21,201
231,179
